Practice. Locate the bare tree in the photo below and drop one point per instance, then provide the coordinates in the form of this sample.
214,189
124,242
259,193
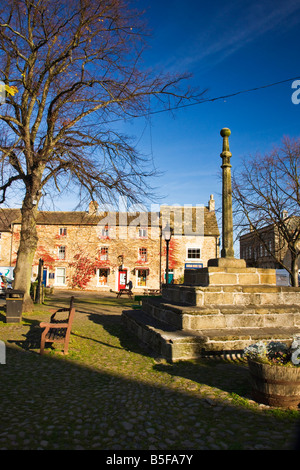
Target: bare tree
266,194
76,66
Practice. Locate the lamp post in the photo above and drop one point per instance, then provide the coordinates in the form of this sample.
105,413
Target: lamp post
39,285
167,236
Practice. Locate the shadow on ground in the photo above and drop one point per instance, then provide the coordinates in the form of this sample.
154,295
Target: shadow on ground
229,374
88,401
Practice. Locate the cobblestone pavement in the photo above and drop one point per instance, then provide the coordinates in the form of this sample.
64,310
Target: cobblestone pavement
107,394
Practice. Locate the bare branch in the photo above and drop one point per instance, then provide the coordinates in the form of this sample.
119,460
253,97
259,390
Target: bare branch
266,197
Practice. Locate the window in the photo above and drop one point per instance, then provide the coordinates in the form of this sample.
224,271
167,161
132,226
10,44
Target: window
60,276
104,253
62,252
141,278
105,231
142,254
142,232
63,232
193,253
270,246
103,277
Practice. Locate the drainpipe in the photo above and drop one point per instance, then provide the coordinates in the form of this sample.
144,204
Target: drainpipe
11,244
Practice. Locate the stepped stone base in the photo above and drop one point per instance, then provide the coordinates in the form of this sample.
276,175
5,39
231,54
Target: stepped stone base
221,308
177,344
189,322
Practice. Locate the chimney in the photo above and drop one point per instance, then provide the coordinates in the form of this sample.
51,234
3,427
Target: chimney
211,203
93,207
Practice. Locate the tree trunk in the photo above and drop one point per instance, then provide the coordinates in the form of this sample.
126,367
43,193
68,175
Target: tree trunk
294,269
26,251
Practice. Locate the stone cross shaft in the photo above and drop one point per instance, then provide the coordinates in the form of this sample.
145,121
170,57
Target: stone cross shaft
227,222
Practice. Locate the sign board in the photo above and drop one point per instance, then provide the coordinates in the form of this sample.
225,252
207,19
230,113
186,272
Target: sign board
282,277
193,265
7,271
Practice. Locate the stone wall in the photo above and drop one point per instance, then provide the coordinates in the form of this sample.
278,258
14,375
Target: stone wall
260,295
230,276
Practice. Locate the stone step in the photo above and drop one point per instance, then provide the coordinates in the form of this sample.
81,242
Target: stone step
232,295
161,339
176,344
223,316
236,339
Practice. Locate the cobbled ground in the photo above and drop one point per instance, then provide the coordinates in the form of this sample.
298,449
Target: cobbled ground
109,394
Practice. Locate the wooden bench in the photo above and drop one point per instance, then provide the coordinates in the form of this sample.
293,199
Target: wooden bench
151,291
58,330
124,291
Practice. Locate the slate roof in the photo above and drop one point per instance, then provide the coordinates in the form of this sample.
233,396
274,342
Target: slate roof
13,216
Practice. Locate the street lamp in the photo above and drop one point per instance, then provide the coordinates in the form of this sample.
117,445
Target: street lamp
167,236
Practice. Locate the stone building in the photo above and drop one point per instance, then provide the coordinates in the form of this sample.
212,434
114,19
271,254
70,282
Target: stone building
105,250
265,248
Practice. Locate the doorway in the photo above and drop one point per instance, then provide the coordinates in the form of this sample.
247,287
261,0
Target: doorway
45,277
122,279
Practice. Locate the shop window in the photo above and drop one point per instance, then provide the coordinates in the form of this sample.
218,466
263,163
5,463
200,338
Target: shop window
103,277
141,277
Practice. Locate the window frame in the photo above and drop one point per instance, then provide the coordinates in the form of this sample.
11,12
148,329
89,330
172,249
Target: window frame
105,232
62,252
138,278
143,256
63,231
191,250
104,256
143,232
98,277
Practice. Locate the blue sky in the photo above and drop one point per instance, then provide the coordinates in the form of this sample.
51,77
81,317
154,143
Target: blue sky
227,47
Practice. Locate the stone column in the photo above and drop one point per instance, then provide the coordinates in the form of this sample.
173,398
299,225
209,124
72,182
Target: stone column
227,223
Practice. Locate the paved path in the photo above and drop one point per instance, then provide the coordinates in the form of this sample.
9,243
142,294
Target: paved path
109,395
